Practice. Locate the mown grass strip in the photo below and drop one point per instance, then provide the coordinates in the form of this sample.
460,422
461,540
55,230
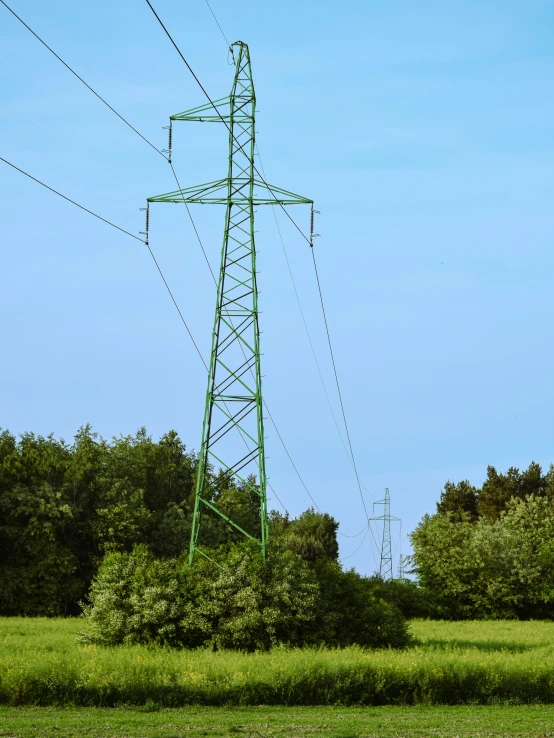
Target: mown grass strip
301,722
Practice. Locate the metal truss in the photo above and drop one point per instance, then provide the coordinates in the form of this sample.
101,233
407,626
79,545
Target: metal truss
385,565
232,442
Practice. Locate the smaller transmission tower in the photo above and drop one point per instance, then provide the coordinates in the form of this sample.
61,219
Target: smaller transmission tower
385,565
401,568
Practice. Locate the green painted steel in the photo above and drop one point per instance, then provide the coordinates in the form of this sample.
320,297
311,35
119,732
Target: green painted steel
233,427
385,565
217,193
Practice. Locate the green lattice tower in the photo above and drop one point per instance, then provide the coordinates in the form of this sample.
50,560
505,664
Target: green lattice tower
233,428
385,564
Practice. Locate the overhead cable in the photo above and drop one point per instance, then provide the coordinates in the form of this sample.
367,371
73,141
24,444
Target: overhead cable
128,233
82,80
220,28
112,224
38,181
113,110
357,549
304,319
178,309
338,384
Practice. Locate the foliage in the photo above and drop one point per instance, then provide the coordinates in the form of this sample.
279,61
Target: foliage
499,489
313,536
138,598
497,568
412,600
450,663
241,604
464,501
460,500
64,506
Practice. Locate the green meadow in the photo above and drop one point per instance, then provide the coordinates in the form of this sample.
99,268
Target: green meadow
460,663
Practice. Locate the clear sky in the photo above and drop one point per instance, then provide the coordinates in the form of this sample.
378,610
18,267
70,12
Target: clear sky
423,131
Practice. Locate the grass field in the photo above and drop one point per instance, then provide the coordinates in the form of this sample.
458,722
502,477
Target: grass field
280,722
453,663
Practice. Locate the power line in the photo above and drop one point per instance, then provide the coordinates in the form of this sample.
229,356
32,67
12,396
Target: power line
337,379
357,534
108,222
357,549
302,311
290,457
277,496
220,28
86,209
157,267
113,225
90,212
225,122
350,458
82,80
178,185
193,224
305,322
338,384
177,308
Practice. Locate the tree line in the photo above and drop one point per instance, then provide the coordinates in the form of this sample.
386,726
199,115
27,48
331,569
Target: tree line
64,506
488,552
104,526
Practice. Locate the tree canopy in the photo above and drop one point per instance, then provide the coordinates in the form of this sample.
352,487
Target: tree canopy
488,552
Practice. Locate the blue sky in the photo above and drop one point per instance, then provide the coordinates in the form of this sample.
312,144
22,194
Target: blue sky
424,134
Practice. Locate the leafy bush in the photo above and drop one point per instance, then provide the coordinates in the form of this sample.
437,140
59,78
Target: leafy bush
412,600
246,605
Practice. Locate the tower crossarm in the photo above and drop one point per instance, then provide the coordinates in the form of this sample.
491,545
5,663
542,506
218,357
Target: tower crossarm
233,192
206,113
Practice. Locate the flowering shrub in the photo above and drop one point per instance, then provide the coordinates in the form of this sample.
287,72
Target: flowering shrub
246,604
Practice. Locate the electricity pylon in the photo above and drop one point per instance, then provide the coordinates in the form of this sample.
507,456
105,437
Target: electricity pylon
385,565
233,428
401,568
402,560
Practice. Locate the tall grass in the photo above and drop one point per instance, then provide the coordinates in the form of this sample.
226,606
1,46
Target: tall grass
452,663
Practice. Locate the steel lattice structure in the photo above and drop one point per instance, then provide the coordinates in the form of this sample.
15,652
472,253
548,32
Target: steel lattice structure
385,565
233,427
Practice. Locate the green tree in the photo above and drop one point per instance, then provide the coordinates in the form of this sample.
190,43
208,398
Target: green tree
443,564
37,573
499,568
460,500
499,488
313,536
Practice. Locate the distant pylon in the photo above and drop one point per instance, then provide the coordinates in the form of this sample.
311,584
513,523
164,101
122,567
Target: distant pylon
402,560
401,568
385,564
